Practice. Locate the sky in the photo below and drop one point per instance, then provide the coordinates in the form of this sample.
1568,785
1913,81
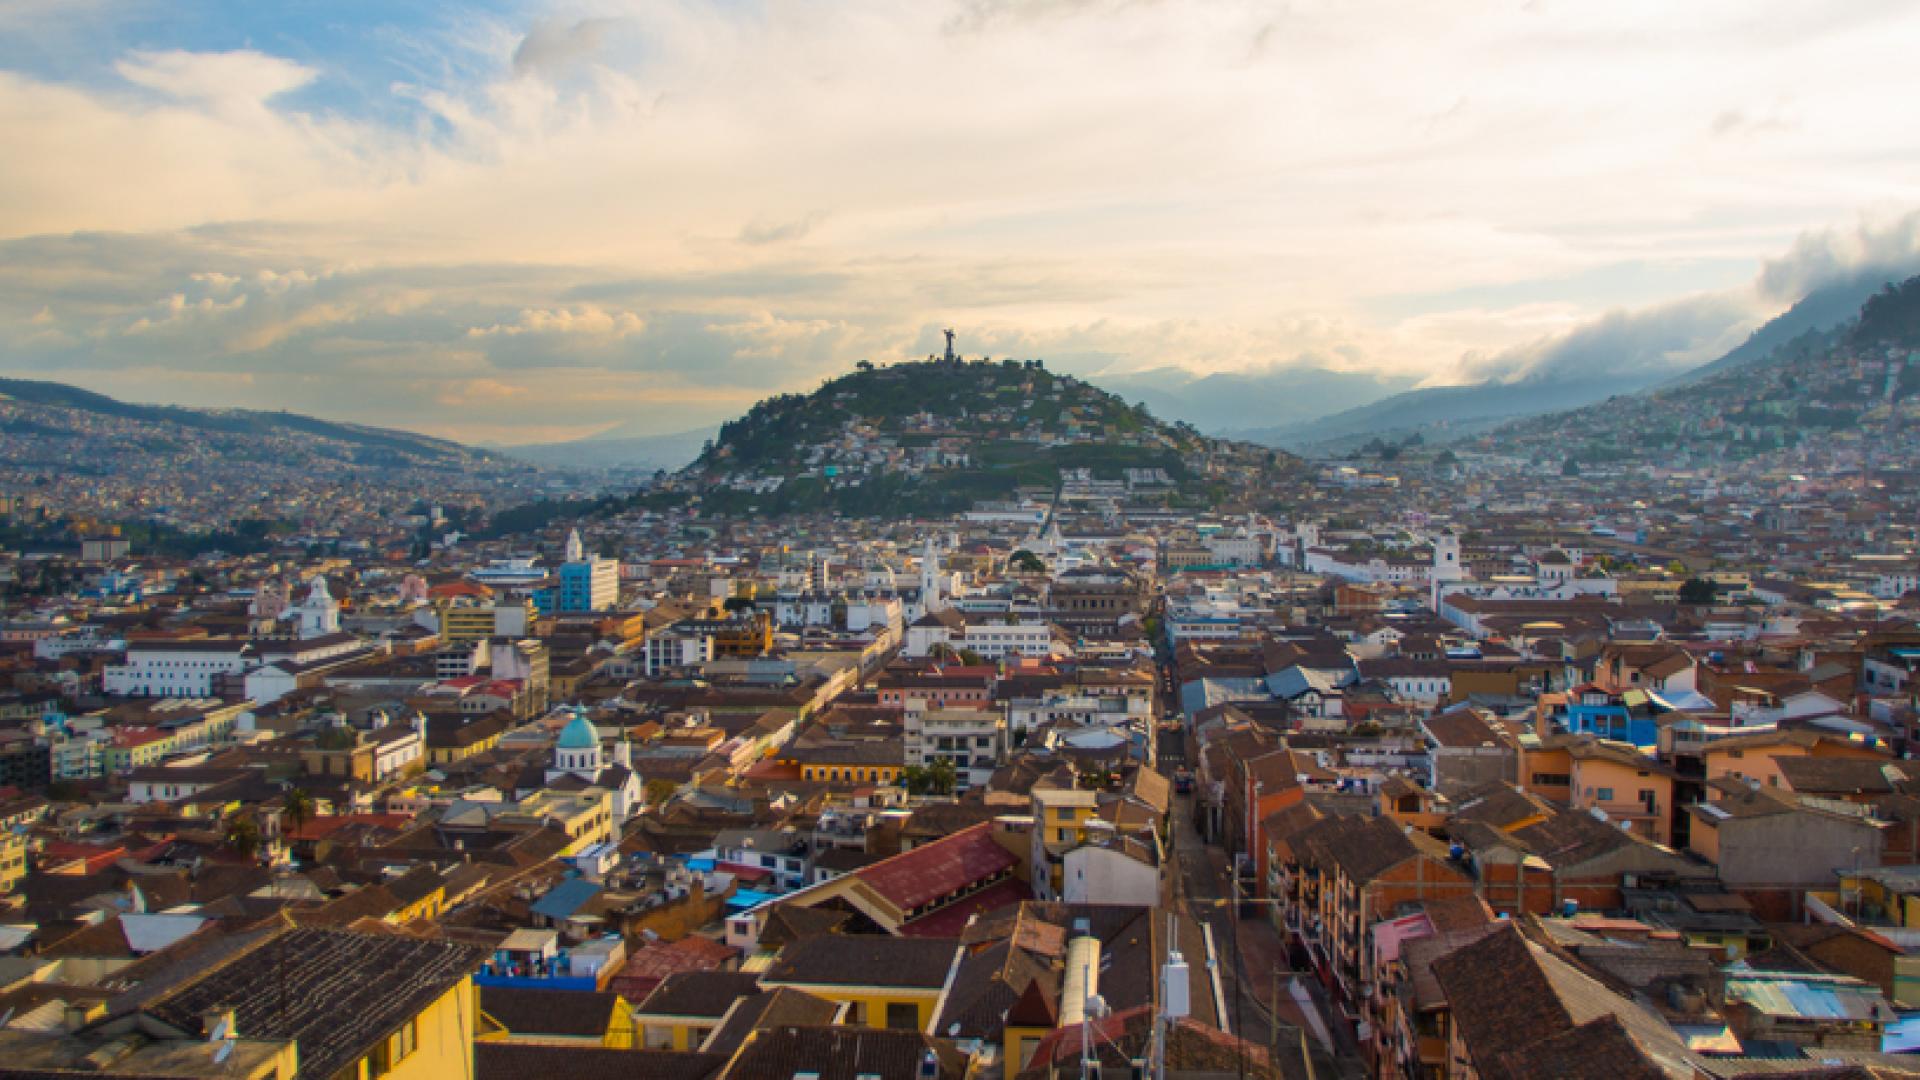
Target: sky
519,222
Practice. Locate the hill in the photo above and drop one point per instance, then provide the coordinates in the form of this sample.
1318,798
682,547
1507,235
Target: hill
1449,413
1850,391
1822,309
91,454
936,437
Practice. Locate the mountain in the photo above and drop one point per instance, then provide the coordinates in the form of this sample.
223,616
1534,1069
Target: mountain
936,437
1822,309
92,455
1230,401
29,396
1439,413
1851,390
1444,413
606,450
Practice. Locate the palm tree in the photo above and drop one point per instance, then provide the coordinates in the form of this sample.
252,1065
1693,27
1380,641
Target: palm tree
298,811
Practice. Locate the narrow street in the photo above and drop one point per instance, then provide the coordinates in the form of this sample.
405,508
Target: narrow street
1253,952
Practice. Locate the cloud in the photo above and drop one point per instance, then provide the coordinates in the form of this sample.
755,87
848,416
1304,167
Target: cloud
768,231
551,46
1825,256
242,76
584,320
613,202
1666,338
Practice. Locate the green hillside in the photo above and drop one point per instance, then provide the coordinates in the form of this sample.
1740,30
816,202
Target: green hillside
935,437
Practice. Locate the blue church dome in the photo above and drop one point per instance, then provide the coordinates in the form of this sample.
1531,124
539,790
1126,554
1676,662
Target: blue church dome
579,735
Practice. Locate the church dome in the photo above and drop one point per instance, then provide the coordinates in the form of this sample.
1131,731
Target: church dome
579,734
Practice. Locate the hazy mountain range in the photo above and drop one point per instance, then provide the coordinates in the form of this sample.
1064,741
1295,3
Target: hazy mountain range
618,448
1439,413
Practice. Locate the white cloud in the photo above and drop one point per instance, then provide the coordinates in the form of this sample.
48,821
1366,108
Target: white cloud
225,78
585,320
749,196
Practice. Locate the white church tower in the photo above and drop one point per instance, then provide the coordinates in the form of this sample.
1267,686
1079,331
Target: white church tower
576,549
932,594
1446,564
319,612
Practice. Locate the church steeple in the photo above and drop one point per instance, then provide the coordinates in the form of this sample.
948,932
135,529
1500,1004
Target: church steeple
576,550
932,596
319,612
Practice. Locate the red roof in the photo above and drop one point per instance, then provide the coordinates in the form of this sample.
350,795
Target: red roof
950,920
931,871
647,967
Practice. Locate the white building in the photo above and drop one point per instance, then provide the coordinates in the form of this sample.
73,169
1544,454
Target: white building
993,639
974,741
1085,710
176,668
319,613
1121,871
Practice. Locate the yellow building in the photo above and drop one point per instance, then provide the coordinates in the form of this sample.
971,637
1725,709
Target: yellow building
13,861
557,1018
585,816
1060,822
688,1006
877,761
885,982
374,1007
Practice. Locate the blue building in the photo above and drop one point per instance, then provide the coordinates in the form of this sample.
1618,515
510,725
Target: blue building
587,583
1626,717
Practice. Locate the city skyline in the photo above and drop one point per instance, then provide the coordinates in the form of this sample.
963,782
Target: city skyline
520,223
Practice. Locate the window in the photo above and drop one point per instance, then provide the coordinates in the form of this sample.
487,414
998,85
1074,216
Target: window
1604,794
904,1015
397,1048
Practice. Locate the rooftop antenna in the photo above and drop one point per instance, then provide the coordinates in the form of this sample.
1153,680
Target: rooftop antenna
950,357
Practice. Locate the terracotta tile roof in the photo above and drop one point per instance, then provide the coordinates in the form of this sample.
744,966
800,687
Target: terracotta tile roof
939,869
865,960
549,1012
1500,1000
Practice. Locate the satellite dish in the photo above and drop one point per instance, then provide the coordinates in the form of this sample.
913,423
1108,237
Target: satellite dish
1598,814
220,1056
220,1030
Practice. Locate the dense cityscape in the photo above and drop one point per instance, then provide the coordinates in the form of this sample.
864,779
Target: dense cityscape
1170,754
972,540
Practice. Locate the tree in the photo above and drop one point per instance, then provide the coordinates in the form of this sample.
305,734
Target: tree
298,811
242,834
1570,467
1696,591
941,777
1026,562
